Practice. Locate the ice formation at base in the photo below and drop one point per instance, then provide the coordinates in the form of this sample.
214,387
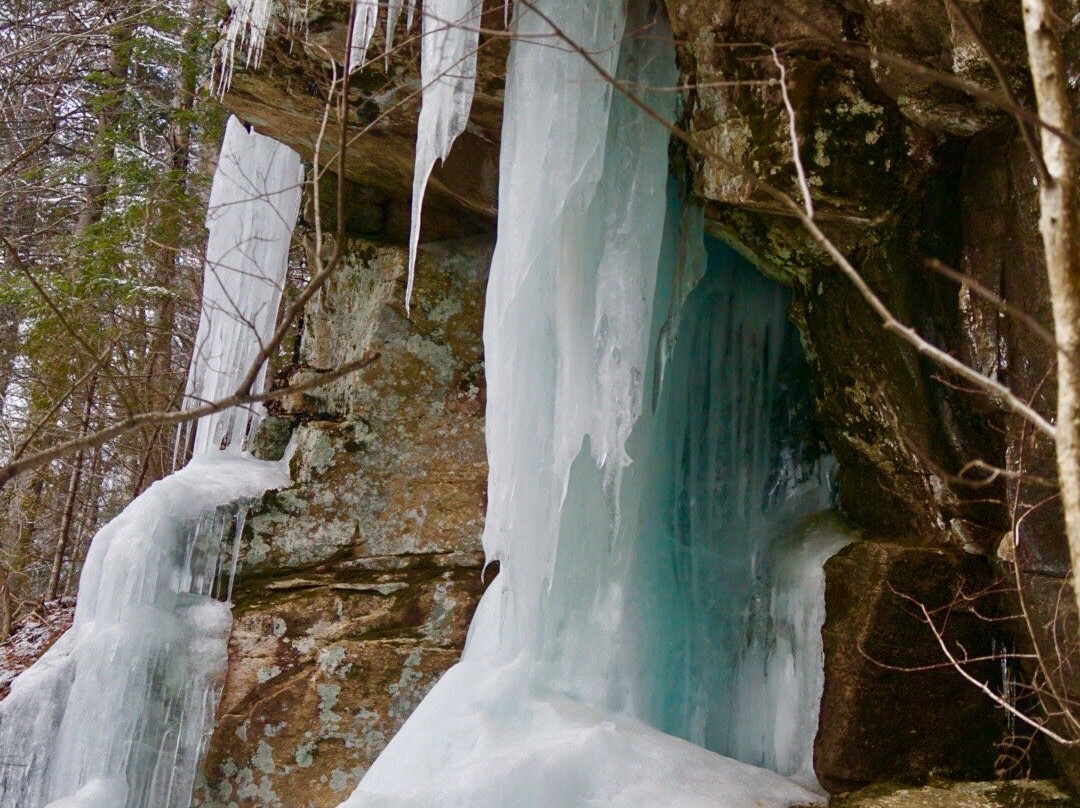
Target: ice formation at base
658,610
118,711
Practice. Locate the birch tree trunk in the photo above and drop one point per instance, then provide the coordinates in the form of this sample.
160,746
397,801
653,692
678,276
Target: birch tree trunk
1059,223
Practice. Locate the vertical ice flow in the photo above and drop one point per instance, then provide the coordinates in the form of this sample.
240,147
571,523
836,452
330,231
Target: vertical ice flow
254,202
652,476
118,711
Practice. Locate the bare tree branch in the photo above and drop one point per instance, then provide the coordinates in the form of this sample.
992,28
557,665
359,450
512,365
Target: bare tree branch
889,322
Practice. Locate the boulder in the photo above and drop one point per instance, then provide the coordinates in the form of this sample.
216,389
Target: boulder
893,708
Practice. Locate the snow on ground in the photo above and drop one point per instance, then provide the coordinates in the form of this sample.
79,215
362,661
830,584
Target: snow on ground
32,638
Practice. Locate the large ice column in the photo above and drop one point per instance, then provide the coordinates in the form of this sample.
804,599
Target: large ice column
254,203
619,507
653,475
118,711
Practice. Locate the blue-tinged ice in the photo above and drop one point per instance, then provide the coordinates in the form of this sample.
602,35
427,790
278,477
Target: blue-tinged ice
653,476
117,713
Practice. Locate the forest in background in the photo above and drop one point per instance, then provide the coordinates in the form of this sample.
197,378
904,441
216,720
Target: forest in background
108,136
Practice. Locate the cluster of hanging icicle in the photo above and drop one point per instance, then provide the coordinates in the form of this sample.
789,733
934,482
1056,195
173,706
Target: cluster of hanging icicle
449,35
118,712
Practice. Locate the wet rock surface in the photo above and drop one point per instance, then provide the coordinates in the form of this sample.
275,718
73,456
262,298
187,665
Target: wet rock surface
881,147
894,709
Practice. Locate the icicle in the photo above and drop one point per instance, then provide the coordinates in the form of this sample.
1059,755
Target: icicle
393,13
451,31
246,30
689,270
365,18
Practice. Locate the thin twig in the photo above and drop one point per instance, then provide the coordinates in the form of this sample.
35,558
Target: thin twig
793,134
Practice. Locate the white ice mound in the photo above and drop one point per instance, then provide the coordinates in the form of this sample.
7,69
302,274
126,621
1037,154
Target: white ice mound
116,712
101,793
526,749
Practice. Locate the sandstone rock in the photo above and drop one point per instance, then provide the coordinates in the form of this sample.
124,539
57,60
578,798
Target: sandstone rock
271,438
893,709
897,178
356,585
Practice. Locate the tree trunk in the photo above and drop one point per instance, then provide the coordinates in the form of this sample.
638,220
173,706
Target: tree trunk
168,233
87,525
1059,223
74,480
99,169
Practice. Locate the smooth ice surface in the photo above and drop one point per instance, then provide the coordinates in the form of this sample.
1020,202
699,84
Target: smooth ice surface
365,18
527,747
652,475
779,672
254,202
117,713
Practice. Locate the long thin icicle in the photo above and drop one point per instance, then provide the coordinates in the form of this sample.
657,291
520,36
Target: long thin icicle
450,35
393,14
365,19
451,32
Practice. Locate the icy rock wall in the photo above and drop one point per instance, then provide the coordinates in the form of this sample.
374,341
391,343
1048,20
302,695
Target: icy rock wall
646,588
118,711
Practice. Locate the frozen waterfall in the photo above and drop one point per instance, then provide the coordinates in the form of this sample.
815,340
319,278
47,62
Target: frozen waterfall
118,711
653,637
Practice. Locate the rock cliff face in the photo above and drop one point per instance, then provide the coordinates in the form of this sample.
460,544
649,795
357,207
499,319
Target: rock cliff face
904,170
357,583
